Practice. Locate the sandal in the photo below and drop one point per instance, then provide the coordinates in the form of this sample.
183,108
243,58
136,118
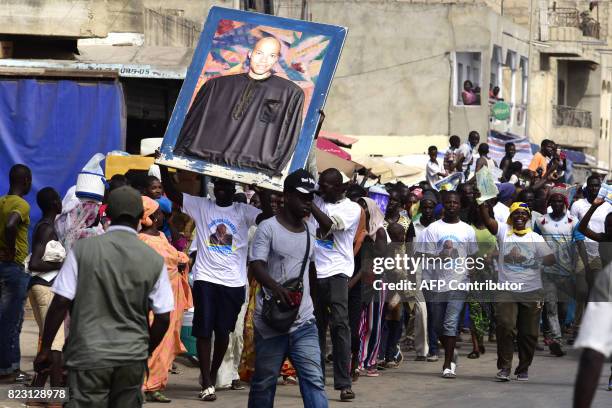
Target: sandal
174,369
208,394
237,385
156,396
474,355
372,373
347,394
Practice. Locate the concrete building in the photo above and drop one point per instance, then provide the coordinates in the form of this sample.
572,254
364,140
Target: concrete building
570,74
401,73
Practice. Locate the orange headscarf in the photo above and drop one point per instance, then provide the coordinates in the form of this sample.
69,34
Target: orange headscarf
150,206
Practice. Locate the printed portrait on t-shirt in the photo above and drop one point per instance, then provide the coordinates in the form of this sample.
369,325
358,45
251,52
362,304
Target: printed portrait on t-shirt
325,242
221,236
525,255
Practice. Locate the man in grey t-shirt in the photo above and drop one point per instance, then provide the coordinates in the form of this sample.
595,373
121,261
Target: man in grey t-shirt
277,253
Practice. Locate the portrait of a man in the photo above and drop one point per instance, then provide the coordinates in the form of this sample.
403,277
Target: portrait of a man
249,119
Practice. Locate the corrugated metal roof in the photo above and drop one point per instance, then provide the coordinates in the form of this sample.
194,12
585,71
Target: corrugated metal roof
124,61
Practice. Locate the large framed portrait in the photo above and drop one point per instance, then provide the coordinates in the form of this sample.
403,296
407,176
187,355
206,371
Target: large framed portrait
251,102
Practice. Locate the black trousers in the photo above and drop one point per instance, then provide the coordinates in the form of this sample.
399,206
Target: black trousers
331,309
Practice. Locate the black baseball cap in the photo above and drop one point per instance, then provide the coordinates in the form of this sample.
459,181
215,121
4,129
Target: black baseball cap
124,201
301,181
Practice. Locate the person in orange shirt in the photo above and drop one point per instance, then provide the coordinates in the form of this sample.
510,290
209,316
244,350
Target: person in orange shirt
541,159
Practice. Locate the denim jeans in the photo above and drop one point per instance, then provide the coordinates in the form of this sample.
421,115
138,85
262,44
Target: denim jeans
13,291
302,348
446,308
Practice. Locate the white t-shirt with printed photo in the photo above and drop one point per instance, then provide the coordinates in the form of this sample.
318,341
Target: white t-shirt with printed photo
458,241
334,253
222,239
532,247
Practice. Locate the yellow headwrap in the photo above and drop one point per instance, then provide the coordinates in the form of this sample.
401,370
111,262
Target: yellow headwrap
518,205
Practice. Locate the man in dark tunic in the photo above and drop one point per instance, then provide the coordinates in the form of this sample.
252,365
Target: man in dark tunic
248,120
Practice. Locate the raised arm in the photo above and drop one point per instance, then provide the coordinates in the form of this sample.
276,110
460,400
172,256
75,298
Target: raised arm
171,191
325,223
488,221
583,227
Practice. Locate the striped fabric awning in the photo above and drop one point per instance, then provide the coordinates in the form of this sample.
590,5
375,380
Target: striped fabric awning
497,151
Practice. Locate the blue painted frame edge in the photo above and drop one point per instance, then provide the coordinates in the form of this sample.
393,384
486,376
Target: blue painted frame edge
337,36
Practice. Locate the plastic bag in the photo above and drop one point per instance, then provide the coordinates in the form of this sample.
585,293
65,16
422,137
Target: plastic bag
486,185
93,165
605,192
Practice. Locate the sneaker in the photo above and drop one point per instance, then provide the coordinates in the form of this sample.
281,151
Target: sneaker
555,349
448,373
22,377
208,394
432,358
420,358
524,376
503,375
237,384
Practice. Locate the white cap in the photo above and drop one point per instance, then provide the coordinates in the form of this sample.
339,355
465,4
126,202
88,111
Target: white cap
90,181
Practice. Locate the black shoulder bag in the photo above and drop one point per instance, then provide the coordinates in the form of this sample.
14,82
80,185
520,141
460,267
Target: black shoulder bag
274,313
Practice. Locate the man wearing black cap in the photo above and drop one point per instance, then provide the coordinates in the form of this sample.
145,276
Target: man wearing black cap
109,283
281,251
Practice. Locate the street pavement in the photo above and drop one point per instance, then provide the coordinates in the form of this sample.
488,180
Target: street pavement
413,384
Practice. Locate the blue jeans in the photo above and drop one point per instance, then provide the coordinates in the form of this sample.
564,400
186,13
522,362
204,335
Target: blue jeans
445,311
13,291
302,348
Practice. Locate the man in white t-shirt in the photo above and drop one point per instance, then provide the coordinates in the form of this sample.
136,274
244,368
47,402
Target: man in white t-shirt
517,311
219,272
596,224
336,219
560,231
447,244
109,284
434,171
465,154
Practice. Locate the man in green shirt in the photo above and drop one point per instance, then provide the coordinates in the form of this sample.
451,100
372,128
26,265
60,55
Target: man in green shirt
14,223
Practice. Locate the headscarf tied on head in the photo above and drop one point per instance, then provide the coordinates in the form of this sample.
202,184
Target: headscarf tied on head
518,205
560,191
376,217
150,206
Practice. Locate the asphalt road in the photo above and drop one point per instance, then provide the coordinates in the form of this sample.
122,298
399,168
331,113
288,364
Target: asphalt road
413,384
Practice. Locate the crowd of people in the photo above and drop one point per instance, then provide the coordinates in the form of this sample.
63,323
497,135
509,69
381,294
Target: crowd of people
271,275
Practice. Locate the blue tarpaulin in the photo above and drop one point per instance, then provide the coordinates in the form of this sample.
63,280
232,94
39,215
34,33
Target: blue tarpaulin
55,127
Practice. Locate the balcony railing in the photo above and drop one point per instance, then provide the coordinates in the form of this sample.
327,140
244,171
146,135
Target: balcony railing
563,17
571,17
568,116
